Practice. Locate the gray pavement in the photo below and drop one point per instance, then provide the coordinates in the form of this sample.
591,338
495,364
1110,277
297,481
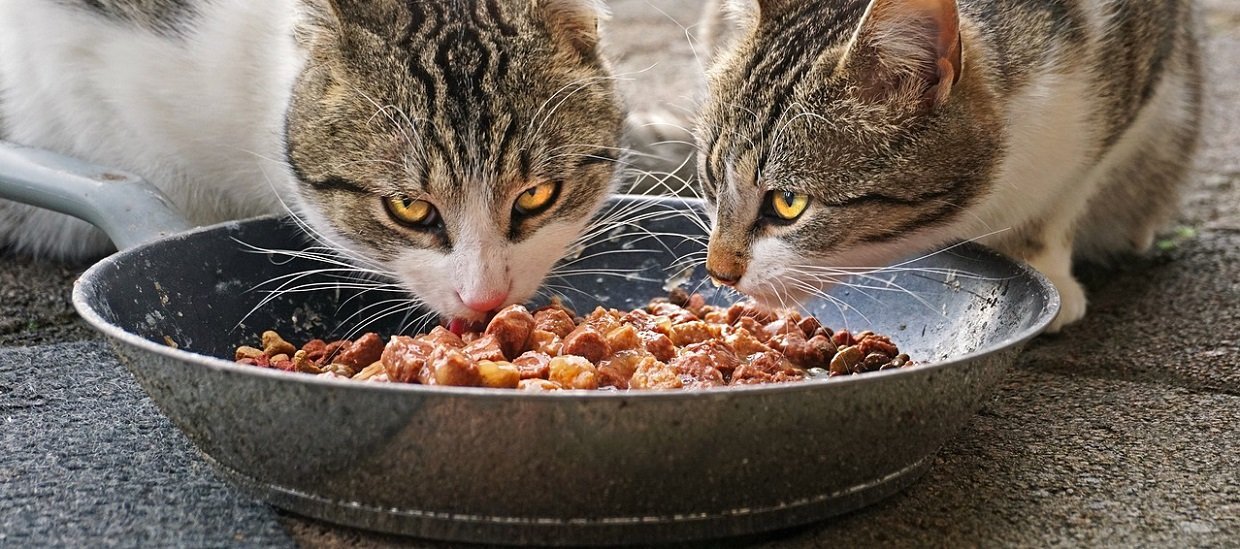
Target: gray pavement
1124,431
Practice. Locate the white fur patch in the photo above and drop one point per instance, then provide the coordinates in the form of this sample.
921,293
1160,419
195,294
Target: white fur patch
198,116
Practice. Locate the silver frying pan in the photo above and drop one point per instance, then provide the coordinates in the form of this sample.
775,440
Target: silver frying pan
568,468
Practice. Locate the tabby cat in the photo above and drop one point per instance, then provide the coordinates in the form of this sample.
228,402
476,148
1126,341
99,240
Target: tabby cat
457,146
847,133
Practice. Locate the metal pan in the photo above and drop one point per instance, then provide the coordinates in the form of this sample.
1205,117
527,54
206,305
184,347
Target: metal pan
569,468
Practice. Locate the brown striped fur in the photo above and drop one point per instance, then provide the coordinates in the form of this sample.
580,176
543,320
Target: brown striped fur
903,146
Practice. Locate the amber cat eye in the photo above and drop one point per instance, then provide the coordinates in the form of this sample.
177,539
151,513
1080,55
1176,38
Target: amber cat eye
414,213
787,206
537,198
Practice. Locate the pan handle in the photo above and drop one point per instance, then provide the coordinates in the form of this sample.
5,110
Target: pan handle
126,207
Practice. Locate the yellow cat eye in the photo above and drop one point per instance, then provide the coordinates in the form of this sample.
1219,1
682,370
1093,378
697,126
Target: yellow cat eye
787,205
536,198
416,213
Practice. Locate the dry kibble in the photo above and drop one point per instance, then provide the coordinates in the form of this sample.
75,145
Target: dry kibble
274,345
846,359
303,364
251,353
673,344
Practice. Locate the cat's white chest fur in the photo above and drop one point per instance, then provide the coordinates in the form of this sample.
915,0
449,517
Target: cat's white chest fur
200,112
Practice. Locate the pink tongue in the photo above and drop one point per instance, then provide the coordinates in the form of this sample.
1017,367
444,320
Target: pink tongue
459,326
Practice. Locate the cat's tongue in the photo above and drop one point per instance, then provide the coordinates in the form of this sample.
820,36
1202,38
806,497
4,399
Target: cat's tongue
459,326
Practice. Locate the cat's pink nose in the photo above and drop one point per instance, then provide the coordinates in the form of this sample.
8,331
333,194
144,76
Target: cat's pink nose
484,302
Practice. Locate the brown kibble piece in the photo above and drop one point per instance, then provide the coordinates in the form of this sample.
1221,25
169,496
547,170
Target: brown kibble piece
679,297
846,360
274,345
302,364
810,326
873,343
330,350
315,349
246,352
874,361
843,338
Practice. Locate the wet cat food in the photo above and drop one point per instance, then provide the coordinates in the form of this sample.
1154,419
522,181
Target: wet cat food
678,342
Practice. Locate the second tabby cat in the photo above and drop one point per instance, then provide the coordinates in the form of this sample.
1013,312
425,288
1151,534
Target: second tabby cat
847,133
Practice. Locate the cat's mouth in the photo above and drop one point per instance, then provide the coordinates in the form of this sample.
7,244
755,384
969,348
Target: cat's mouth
459,326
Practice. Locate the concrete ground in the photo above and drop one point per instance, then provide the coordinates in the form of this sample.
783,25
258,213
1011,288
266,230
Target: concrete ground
1123,431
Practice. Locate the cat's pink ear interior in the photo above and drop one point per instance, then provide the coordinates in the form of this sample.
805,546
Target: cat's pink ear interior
574,22
907,47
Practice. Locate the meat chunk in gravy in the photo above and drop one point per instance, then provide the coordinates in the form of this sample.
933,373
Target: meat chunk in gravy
677,343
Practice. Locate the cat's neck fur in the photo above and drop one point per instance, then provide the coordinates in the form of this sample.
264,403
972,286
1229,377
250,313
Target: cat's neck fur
117,106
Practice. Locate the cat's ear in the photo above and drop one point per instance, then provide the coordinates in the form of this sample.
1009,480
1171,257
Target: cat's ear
907,51
574,23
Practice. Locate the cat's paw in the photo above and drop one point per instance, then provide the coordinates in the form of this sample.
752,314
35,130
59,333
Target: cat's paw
1072,303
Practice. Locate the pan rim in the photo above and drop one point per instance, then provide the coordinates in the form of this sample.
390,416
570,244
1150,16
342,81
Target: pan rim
116,333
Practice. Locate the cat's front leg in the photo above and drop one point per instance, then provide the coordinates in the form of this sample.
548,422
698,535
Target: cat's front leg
1054,259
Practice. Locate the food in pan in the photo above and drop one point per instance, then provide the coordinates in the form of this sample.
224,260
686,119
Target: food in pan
678,342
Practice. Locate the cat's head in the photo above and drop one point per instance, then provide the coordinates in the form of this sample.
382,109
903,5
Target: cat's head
459,146
840,134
